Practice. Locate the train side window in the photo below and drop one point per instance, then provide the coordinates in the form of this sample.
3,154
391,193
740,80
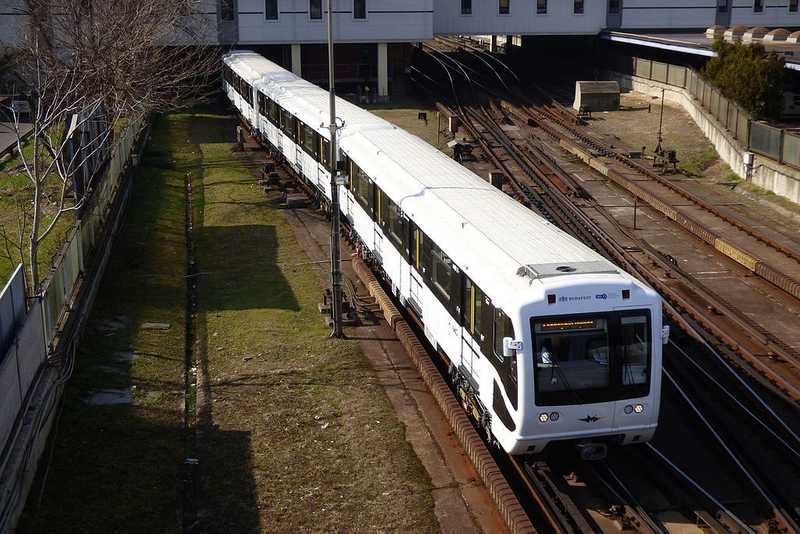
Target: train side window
502,329
478,315
274,112
325,153
362,189
441,273
424,262
446,282
310,141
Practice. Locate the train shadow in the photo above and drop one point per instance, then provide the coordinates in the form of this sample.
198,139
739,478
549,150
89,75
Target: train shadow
238,286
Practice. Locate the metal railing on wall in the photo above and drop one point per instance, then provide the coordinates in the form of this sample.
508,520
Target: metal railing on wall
779,144
30,328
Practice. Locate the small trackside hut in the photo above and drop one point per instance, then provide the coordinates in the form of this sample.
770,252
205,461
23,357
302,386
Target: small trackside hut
547,340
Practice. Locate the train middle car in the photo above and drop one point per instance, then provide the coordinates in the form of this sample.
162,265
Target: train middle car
547,340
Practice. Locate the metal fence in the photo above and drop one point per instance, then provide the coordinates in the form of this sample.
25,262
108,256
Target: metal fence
791,148
778,144
27,336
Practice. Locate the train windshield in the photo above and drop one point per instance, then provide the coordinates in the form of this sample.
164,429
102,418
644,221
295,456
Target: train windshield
591,358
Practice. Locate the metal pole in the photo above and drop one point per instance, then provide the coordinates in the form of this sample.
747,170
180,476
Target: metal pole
660,124
336,268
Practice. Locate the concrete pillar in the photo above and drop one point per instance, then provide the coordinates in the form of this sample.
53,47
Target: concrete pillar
383,69
296,60
493,44
509,43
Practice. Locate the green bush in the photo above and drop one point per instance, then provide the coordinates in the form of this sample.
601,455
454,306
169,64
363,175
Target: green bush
748,75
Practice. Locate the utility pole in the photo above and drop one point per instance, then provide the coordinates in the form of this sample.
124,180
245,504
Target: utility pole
336,267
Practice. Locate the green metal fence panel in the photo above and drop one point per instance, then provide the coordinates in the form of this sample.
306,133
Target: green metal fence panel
766,140
659,73
731,124
713,105
676,75
743,126
690,81
642,69
791,148
724,106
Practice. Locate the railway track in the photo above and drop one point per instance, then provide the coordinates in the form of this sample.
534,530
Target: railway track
537,180
759,337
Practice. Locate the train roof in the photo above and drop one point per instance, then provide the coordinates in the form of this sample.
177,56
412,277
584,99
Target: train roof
501,245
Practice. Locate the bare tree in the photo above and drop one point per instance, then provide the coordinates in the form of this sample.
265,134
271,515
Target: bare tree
88,65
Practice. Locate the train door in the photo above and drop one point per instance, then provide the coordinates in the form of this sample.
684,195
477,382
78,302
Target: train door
476,330
377,202
415,278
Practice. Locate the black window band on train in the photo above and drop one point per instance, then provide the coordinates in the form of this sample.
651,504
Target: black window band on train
460,296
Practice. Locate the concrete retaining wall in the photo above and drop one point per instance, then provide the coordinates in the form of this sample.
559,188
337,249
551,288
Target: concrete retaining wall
767,174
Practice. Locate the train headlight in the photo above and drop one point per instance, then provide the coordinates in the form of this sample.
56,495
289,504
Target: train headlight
628,409
554,416
639,408
543,417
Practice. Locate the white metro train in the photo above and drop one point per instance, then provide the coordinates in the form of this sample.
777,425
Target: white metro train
547,340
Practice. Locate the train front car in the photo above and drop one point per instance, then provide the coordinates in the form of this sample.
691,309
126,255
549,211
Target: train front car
589,360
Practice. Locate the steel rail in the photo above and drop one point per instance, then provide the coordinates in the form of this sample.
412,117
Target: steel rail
697,487
780,513
629,499
792,450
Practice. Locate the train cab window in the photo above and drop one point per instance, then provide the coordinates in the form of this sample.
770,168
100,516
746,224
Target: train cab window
506,367
634,345
571,356
614,7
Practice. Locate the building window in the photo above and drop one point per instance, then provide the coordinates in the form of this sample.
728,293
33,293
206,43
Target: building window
541,7
504,7
271,9
466,7
577,7
359,9
315,9
758,6
722,6
613,7
226,9
793,6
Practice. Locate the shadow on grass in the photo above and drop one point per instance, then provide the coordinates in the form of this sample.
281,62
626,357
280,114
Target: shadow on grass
236,286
